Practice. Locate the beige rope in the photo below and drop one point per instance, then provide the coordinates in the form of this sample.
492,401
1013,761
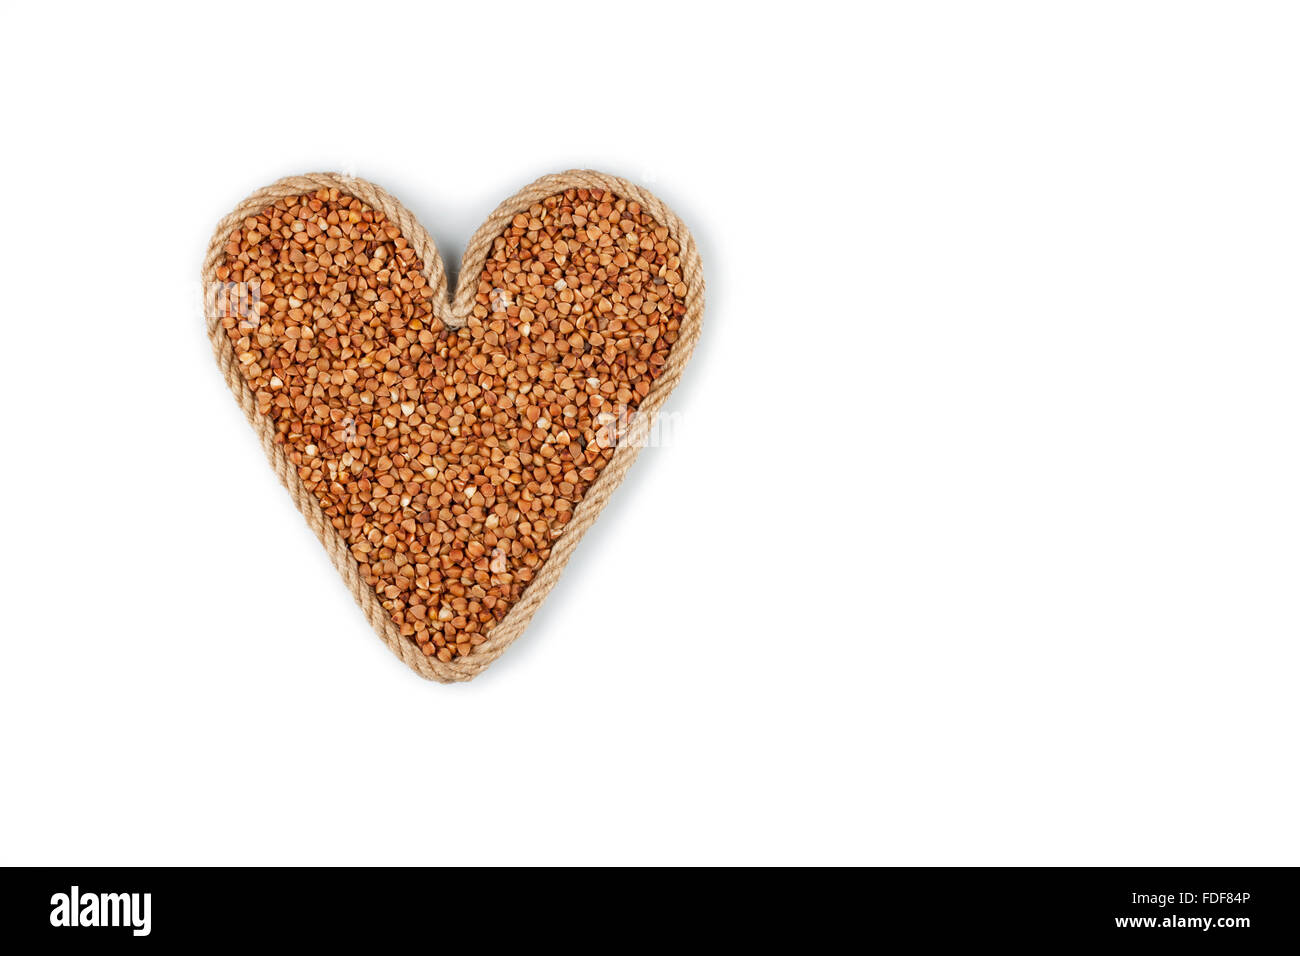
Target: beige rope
454,313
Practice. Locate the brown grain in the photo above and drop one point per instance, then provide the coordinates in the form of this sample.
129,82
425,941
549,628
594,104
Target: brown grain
450,461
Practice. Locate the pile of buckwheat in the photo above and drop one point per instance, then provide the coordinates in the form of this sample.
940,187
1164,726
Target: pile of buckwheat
450,460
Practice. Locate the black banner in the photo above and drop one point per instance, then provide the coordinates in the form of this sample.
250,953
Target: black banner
1221,907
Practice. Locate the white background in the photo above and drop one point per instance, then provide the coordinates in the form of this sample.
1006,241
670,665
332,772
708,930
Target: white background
977,540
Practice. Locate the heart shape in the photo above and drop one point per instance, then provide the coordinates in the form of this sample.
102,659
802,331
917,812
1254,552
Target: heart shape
450,454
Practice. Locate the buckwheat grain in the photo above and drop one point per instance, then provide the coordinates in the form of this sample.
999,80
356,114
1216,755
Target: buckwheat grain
450,460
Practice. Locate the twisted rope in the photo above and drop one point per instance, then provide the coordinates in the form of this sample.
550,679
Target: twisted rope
454,313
